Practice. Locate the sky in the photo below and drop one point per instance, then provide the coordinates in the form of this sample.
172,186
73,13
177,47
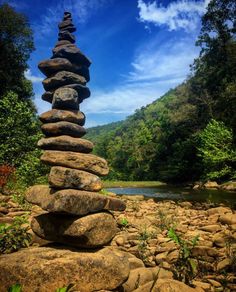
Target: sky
139,49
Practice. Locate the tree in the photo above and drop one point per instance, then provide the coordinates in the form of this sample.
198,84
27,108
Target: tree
217,151
214,71
19,130
16,44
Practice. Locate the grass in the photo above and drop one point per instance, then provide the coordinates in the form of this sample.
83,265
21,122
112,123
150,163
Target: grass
132,184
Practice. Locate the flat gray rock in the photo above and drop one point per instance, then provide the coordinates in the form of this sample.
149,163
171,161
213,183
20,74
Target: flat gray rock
73,202
46,269
63,128
69,178
66,143
56,115
62,78
89,231
87,162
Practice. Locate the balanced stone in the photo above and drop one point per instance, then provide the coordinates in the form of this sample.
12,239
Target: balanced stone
63,128
71,53
66,143
52,66
45,269
90,231
87,162
62,78
65,98
82,91
54,116
61,43
66,35
70,201
68,178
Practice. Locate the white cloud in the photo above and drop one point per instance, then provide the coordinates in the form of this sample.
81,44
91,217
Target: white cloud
155,71
181,14
81,11
31,77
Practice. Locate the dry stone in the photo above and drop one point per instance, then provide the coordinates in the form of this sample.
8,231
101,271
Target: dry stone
68,178
45,269
52,66
70,201
66,143
72,53
63,128
89,231
62,78
65,99
54,116
87,162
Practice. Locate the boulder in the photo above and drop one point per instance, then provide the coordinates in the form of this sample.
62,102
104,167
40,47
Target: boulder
137,277
63,128
66,143
62,78
169,285
48,268
54,116
211,185
90,231
70,201
72,53
87,162
65,99
229,219
52,66
68,178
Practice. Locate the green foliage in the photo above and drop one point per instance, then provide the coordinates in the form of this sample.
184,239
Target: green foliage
217,151
185,267
15,288
16,44
124,222
19,133
68,288
19,198
158,142
14,236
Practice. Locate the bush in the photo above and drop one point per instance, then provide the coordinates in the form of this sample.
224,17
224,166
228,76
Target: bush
14,236
217,151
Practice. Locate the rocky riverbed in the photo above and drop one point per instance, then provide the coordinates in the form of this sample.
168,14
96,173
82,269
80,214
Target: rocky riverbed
167,243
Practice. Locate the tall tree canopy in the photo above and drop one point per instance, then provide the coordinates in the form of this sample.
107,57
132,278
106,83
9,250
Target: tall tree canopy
214,81
16,44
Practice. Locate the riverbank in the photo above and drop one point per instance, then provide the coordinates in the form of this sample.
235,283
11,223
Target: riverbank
134,184
226,186
167,243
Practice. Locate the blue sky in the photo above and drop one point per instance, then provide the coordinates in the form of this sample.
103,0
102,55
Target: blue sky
139,49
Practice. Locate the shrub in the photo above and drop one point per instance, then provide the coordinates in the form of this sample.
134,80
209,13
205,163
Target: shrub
14,236
5,172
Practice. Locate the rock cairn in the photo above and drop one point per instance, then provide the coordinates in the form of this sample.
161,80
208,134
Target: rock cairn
76,214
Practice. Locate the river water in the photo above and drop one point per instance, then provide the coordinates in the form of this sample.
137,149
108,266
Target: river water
180,194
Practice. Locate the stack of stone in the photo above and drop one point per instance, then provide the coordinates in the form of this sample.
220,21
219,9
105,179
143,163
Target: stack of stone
76,214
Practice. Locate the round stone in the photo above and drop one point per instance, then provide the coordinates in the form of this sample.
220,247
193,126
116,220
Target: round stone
65,98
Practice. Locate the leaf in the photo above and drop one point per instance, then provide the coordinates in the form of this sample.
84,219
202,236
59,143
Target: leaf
171,234
15,288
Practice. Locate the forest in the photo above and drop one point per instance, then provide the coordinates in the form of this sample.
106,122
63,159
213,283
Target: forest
189,133
186,135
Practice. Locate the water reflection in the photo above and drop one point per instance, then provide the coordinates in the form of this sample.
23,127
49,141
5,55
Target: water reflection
175,194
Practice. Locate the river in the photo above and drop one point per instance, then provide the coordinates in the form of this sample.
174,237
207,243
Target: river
179,194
